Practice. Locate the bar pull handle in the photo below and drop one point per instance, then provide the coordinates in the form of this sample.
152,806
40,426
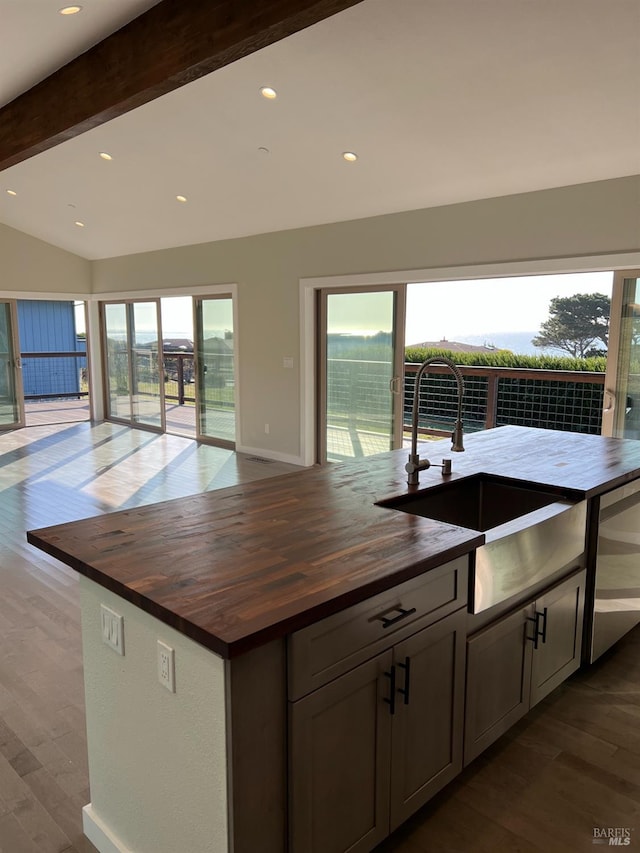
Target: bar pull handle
542,634
402,614
533,639
391,699
404,691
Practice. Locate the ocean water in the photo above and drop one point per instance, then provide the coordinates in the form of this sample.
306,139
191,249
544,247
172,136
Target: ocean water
518,342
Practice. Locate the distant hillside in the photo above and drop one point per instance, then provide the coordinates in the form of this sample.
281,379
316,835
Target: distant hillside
453,346
517,342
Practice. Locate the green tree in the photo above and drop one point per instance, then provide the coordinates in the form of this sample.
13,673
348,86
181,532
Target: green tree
577,324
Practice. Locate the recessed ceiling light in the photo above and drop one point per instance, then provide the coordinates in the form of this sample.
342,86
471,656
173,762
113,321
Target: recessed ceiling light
349,156
11,192
181,198
79,224
105,155
69,10
268,93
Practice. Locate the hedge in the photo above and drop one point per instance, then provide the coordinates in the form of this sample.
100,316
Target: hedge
505,358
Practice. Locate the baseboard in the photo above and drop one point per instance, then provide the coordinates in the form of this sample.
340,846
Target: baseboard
99,834
271,454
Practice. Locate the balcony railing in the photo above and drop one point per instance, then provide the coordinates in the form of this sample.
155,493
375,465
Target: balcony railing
494,396
54,375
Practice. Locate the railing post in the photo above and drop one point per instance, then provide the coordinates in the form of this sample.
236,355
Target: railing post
492,400
180,372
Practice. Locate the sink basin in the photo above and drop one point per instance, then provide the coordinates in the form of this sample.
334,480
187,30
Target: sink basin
481,502
532,535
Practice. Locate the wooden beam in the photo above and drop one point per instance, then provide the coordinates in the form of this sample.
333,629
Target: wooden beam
173,43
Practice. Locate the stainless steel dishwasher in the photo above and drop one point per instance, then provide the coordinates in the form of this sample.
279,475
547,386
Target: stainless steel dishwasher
617,575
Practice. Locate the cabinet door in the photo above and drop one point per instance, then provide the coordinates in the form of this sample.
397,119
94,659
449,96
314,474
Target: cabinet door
498,679
426,742
340,739
559,618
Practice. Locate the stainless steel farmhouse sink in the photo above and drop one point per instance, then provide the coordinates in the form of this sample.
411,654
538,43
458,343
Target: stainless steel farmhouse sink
531,533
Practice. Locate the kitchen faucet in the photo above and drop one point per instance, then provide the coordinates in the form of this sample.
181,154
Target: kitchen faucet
415,464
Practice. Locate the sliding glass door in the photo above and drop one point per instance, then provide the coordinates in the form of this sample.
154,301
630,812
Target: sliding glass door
11,400
360,359
215,370
621,415
132,340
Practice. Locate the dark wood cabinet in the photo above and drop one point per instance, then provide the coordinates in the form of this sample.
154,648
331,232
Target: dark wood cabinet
427,727
370,747
340,740
498,680
515,662
559,615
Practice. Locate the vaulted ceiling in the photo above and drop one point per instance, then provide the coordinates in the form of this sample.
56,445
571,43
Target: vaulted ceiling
443,101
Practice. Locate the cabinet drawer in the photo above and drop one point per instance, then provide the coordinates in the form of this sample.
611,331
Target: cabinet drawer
334,645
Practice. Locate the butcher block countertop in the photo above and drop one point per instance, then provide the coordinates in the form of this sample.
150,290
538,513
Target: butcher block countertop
237,567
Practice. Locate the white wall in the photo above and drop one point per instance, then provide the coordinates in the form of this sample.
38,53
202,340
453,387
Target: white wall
598,219
157,760
29,266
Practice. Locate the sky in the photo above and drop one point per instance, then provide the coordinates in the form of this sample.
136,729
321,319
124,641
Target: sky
437,310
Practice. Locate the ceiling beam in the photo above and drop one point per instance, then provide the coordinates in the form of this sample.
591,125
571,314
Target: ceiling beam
170,45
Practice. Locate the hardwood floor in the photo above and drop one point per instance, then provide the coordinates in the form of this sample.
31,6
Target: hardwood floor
572,765
50,474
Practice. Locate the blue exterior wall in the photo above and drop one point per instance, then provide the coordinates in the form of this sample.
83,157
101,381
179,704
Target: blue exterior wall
47,326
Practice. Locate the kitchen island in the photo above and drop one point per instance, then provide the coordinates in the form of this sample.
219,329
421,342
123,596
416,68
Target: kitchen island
228,580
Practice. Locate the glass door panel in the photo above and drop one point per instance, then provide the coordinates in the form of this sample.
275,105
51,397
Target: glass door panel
361,359
215,371
11,403
135,392
147,389
117,361
621,415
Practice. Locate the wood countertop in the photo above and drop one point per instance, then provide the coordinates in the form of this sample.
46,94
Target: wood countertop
237,567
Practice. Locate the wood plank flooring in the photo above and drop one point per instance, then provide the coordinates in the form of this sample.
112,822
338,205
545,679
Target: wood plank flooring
50,474
571,765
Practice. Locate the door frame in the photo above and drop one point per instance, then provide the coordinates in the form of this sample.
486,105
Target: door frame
399,305
500,269
16,364
610,408
130,422
196,299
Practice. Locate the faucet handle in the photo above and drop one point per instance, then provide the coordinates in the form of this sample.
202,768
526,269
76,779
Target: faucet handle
416,464
413,466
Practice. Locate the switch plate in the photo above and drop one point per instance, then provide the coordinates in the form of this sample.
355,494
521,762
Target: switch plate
287,362
166,666
112,629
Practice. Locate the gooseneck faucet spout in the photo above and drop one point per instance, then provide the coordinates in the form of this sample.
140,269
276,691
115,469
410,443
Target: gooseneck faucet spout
415,464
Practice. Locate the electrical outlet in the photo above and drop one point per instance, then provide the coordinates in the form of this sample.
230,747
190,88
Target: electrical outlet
166,666
266,429
112,629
